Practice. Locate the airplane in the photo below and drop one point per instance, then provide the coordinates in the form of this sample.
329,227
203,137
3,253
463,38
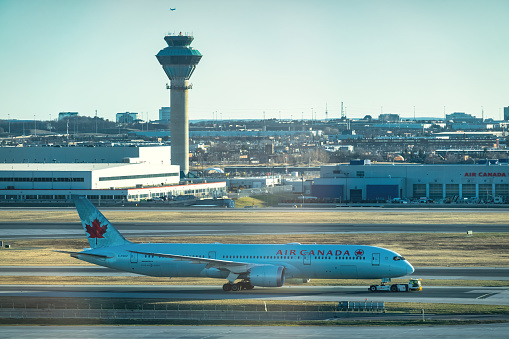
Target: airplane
172,9
262,265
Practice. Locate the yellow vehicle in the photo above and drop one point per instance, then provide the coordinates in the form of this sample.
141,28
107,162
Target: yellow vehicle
415,285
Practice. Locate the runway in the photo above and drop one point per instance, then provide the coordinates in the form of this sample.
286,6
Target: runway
455,295
75,230
483,295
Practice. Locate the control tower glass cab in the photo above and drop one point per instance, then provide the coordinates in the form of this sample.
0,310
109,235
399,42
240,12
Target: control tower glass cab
179,61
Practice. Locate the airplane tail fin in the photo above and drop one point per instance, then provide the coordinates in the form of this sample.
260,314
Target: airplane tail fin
100,232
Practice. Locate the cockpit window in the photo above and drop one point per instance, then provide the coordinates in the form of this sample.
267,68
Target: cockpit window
396,258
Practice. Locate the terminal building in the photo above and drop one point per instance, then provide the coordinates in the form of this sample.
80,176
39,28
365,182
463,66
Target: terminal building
122,182
101,173
362,181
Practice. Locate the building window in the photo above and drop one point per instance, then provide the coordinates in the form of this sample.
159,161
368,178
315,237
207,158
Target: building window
360,174
31,179
139,176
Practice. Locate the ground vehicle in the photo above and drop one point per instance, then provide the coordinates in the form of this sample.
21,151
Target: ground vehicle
498,200
413,285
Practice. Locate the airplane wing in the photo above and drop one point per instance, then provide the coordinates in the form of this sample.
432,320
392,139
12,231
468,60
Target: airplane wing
235,267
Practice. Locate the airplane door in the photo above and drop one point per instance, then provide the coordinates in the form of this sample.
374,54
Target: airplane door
212,255
375,259
134,258
307,259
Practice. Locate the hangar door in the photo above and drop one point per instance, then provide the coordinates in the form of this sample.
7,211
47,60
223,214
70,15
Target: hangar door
355,195
327,191
381,192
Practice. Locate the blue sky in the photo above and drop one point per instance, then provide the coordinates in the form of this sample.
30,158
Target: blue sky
284,58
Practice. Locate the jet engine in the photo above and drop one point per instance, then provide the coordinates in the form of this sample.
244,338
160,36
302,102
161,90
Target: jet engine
267,276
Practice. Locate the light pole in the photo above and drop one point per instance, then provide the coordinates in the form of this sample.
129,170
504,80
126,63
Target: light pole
346,187
302,190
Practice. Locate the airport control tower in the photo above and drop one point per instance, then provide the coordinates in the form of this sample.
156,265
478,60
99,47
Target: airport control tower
179,61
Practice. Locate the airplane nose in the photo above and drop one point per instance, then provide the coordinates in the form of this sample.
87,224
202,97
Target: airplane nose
410,269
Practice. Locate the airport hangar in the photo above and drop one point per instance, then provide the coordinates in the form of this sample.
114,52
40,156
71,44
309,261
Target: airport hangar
126,173
363,181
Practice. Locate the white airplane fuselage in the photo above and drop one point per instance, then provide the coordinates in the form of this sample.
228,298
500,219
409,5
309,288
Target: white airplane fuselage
266,265
299,261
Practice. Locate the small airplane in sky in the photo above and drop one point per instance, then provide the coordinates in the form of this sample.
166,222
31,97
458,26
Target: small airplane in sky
172,9
265,265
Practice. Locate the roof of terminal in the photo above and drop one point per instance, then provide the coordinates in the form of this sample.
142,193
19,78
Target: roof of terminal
62,166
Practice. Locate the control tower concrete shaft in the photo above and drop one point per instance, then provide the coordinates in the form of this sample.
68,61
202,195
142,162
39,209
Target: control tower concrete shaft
179,61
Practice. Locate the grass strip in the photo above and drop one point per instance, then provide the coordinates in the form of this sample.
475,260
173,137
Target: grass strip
253,216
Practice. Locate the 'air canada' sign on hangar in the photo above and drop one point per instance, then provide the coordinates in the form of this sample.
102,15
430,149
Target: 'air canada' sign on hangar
485,174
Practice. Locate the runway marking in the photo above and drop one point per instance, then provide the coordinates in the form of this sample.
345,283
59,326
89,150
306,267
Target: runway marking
484,296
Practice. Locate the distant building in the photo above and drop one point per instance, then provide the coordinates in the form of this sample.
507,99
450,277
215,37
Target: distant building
361,181
164,114
67,115
506,113
127,117
389,117
461,117
269,148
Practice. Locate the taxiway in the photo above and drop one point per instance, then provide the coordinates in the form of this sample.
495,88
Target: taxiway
454,295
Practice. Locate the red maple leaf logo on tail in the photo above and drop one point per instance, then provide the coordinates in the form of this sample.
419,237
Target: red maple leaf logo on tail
96,230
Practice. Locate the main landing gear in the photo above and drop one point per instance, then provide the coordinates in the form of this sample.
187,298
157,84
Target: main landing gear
241,285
